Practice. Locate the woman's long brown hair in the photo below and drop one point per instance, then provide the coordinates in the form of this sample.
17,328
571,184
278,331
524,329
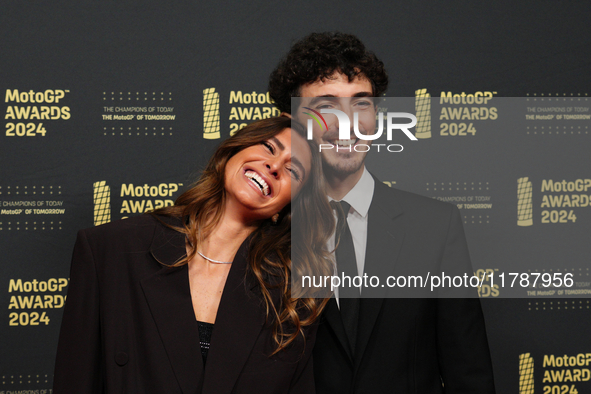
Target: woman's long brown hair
270,249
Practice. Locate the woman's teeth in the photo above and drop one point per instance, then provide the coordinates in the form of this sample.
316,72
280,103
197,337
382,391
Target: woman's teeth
257,180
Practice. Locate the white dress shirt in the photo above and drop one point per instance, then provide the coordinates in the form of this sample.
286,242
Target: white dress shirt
359,197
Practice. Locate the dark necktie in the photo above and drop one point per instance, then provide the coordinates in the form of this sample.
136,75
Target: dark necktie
347,266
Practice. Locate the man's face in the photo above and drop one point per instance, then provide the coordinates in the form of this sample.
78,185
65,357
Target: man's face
339,93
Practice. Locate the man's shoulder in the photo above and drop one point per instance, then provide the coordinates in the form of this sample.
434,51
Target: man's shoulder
411,202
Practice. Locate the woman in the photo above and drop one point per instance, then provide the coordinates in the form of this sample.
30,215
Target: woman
144,292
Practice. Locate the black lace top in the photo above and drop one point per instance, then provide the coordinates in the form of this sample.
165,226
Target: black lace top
205,330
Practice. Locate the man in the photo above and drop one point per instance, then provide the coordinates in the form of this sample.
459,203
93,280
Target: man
381,345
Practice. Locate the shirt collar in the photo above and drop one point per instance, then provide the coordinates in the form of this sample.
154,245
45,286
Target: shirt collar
362,193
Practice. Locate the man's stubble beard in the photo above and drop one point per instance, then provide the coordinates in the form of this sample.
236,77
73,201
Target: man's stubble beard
341,169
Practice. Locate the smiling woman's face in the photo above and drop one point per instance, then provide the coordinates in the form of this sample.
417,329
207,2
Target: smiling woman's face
261,178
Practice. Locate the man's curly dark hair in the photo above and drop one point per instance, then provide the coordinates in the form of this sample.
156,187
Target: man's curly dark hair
317,57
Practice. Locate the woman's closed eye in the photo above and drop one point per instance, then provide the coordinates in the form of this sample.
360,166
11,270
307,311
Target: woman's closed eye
294,173
269,146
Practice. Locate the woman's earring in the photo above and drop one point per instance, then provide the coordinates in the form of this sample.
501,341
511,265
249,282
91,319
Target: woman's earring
275,218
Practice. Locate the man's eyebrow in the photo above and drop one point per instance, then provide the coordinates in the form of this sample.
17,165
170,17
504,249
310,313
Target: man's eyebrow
320,98
278,143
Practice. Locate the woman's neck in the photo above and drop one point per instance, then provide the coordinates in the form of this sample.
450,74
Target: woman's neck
225,239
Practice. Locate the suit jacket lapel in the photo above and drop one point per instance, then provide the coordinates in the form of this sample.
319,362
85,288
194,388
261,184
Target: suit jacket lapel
386,229
240,318
169,297
332,316
239,321
385,236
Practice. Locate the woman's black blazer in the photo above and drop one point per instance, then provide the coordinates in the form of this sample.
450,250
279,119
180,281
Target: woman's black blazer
129,325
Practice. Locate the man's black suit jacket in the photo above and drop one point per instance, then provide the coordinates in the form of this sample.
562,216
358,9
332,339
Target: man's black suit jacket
413,345
129,325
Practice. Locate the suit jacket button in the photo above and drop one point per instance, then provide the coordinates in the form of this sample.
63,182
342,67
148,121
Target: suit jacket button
121,358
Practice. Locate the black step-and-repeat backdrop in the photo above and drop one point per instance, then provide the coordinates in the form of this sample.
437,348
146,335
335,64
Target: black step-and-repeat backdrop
111,109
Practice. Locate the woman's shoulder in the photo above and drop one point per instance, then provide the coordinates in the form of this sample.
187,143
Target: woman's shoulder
138,230
144,222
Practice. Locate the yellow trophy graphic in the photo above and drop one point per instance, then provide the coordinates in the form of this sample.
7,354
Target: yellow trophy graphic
524,202
423,113
102,203
211,114
526,374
